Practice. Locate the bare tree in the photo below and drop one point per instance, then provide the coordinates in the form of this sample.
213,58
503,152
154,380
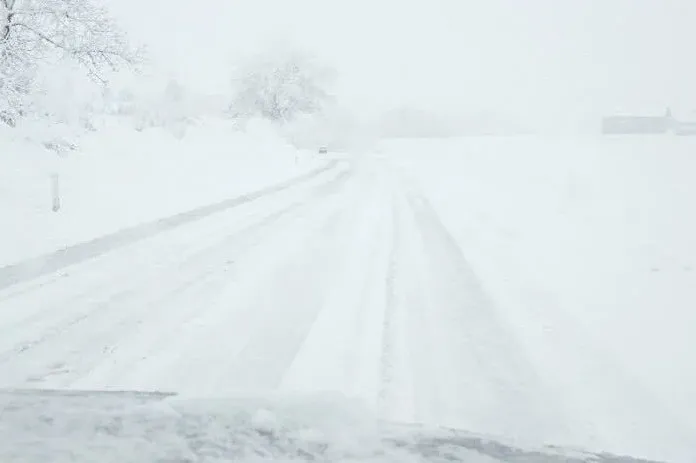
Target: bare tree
39,31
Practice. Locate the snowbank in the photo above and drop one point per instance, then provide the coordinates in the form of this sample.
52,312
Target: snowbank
588,248
120,177
79,426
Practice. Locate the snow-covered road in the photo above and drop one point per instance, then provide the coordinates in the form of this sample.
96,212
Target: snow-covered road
345,282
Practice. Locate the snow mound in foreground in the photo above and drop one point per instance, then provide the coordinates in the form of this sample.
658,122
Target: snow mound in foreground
73,426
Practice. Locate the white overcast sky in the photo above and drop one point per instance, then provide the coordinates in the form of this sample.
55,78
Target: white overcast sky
542,60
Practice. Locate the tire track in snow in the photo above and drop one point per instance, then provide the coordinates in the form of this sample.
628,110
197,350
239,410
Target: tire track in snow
136,288
264,319
47,281
341,351
212,293
511,396
99,337
39,298
49,263
530,402
302,283
387,352
129,319
357,364
409,389
214,314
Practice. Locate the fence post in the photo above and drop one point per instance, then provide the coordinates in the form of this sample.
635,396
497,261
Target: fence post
55,192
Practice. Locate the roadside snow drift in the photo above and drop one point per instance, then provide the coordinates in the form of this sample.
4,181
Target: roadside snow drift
119,178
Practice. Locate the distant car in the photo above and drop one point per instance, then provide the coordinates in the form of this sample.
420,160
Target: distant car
323,150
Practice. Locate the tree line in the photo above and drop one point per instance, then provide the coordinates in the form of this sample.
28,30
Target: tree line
37,35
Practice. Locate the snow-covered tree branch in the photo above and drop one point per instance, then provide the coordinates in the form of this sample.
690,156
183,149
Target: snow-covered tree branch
35,32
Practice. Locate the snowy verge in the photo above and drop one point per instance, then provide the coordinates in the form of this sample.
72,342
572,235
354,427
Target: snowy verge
119,178
49,263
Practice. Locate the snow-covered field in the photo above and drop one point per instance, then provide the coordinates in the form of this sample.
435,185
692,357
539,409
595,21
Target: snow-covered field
587,248
536,289
120,178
